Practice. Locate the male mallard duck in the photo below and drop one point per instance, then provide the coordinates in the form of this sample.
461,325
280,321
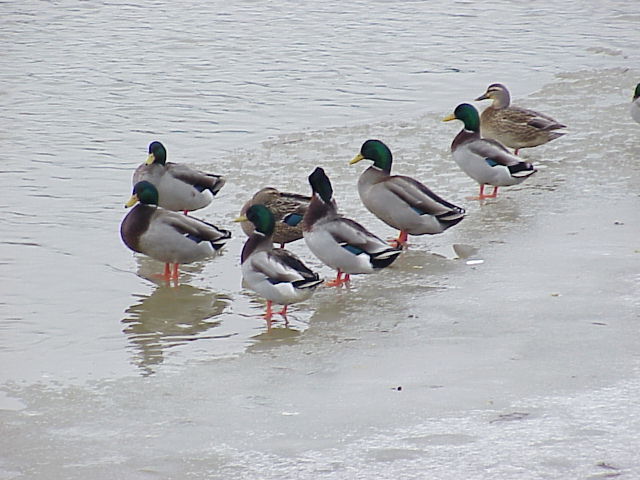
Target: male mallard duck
340,242
399,201
276,274
487,161
181,188
165,235
514,126
635,104
288,210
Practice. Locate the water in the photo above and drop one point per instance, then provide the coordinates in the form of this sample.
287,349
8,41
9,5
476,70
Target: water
518,362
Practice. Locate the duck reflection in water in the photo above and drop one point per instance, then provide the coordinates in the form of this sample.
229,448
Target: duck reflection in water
170,317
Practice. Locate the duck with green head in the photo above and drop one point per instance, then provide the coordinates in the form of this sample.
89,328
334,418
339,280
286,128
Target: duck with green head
487,161
399,201
181,188
635,104
513,126
339,242
167,236
274,273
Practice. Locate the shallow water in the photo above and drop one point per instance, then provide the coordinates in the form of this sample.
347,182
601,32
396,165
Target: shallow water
519,361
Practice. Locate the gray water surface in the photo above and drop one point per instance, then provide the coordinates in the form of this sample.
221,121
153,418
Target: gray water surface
519,360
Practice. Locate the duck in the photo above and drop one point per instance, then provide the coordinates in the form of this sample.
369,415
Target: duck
167,236
287,208
276,274
487,161
513,126
635,104
400,201
340,242
181,188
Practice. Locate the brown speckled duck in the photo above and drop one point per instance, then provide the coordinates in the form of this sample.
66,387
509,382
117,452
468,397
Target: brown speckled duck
288,210
513,126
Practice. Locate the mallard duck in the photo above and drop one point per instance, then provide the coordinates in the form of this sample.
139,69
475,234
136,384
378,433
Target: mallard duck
181,188
339,242
514,126
287,208
276,274
487,161
635,104
165,235
399,201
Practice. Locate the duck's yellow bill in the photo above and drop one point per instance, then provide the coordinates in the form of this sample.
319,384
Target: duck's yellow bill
448,118
132,201
241,218
150,159
356,159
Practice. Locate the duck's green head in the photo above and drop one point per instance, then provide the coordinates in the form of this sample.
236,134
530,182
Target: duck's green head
261,217
157,154
636,94
377,152
321,185
145,193
468,114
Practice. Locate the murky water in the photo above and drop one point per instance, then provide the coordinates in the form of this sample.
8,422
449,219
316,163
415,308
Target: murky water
521,363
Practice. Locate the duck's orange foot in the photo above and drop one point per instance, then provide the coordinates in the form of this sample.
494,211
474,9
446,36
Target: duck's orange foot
339,280
401,242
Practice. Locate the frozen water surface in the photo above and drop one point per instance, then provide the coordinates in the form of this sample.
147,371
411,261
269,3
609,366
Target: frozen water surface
505,348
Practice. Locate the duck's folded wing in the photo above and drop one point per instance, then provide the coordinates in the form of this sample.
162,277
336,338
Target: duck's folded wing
493,150
194,177
292,263
350,233
198,229
279,267
418,196
535,119
290,204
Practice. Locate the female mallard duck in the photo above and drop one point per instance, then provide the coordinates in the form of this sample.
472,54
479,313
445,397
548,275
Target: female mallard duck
288,210
514,126
399,201
181,188
339,242
487,161
276,274
165,235
635,104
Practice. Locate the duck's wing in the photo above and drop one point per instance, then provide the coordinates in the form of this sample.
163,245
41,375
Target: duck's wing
532,118
354,237
418,196
280,265
197,178
194,228
289,207
493,151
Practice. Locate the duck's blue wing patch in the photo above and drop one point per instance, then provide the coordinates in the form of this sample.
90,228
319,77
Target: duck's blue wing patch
491,162
293,219
352,248
193,238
